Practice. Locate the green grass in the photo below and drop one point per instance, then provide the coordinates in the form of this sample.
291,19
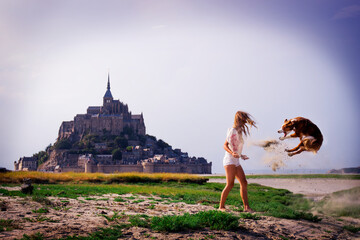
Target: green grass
40,218
8,225
139,220
337,176
41,210
215,220
270,201
35,236
113,217
119,199
352,228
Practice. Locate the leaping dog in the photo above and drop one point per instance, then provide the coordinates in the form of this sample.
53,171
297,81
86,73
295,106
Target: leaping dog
309,134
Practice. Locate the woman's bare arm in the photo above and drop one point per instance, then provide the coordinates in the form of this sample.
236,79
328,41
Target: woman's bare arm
235,155
226,147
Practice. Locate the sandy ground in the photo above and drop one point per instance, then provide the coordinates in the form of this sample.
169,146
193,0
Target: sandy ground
314,188
85,215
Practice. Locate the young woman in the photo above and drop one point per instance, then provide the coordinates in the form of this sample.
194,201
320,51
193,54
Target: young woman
233,146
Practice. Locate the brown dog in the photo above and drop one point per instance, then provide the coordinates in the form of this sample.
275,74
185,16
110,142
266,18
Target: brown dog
309,134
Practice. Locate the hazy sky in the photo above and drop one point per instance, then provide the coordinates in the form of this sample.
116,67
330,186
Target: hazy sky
188,66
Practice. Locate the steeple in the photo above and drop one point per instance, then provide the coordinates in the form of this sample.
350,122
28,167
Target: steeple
108,94
108,85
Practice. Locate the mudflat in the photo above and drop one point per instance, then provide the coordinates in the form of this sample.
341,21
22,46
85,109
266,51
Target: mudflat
310,187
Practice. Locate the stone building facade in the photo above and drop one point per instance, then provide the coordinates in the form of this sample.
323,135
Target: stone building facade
112,117
26,164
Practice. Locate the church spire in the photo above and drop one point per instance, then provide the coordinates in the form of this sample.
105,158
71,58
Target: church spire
108,94
108,84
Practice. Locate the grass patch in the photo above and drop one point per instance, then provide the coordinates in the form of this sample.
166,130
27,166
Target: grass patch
41,210
40,218
90,198
139,220
35,236
352,228
152,206
114,217
247,215
8,225
215,220
131,198
71,177
119,199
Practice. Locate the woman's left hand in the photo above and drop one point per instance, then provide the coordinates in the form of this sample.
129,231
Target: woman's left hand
244,157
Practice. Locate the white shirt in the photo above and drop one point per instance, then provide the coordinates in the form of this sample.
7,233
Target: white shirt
236,143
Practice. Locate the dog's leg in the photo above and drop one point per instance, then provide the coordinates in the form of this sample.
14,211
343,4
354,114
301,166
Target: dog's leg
294,153
295,148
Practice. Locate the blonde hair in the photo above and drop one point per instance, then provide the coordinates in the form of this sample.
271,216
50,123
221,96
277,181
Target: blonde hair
241,122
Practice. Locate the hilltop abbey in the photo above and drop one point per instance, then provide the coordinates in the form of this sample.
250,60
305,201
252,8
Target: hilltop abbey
108,139
111,118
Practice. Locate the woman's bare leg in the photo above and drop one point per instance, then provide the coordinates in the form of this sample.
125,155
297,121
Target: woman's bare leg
240,176
230,171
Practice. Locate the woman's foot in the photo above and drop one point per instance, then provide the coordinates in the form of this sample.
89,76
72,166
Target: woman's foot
222,209
249,210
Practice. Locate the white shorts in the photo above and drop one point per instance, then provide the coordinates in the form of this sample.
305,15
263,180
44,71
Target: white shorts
230,160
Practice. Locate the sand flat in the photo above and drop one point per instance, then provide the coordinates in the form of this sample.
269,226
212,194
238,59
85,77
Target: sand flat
307,186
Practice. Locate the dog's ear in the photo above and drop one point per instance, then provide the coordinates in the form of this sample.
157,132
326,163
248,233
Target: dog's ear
285,120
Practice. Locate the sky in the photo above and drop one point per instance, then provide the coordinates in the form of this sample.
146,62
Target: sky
188,66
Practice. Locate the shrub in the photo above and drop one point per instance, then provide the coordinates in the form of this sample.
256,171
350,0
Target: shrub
161,144
41,157
117,154
121,142
63,144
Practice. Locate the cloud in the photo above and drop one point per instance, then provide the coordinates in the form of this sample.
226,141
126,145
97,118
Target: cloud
348,12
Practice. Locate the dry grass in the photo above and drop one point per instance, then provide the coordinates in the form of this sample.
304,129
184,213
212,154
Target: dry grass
133,177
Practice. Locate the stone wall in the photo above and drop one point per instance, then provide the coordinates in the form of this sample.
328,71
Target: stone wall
150,168
91,168
177,168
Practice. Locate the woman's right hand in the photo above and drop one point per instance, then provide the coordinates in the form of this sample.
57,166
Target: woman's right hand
235,155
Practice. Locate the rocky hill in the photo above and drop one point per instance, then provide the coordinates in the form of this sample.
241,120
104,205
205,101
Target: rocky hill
345,170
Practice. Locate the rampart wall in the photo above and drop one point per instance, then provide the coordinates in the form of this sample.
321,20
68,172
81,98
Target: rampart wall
150,168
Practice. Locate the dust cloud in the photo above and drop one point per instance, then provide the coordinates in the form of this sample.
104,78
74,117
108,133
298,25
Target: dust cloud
342,203
275,155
